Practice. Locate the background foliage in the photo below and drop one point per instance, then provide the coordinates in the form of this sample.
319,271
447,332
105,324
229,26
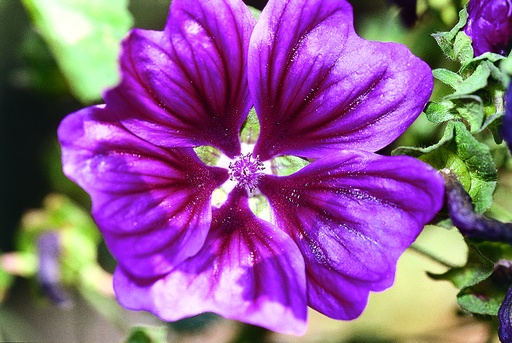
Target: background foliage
58,55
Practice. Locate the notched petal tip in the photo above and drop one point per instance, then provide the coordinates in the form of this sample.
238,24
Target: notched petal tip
187,86
352,215
152,204
250,271
318,87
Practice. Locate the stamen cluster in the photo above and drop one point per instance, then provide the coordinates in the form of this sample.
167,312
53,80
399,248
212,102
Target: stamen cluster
247,171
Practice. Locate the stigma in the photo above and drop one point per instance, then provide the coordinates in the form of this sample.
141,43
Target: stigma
247,171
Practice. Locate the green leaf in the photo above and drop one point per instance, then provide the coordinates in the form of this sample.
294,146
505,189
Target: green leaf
444,39
477,269
498,75
493,123
484,279
463,49
469,159
489,56
479,303
470,108
444,42
448,77
475,81
485,297
84,38
440,112
463,18
506,65
255,12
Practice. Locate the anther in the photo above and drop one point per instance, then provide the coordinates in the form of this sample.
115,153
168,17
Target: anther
246,171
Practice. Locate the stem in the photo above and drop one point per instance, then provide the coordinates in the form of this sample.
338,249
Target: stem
431,256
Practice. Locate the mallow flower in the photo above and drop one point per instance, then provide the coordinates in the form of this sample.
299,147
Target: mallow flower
489,25
205,213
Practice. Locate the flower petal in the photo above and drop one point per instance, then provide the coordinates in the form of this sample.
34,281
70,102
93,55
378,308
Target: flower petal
489,25
248,271
187,86
318,87
505,318
152,204
506,125
352,215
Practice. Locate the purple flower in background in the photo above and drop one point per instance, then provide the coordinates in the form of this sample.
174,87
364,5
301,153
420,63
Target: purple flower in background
489,25
506,125
334,229
505,318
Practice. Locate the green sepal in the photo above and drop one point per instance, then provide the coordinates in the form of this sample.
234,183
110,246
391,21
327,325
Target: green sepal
486,296
463,49
445,44
251,128
208,154
255,12
469,108
444,39
485,303
287,165
448,77
476,81
440,112
498,75
506,65
489,56
484,280
469,159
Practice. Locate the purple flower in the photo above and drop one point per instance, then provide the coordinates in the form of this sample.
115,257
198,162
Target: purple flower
506,125
489,25
505,318
334,229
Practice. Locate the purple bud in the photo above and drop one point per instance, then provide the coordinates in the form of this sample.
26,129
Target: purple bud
489,25
48,274
471,224
505,318
506,125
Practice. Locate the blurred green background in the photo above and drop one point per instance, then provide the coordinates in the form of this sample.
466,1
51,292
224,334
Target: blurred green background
43,77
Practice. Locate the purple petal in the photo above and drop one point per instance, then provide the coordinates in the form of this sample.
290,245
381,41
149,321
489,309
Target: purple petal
506,126
48,271
187,86
505,318
352,214
248,271
318,87
489,25
462,213
152,204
